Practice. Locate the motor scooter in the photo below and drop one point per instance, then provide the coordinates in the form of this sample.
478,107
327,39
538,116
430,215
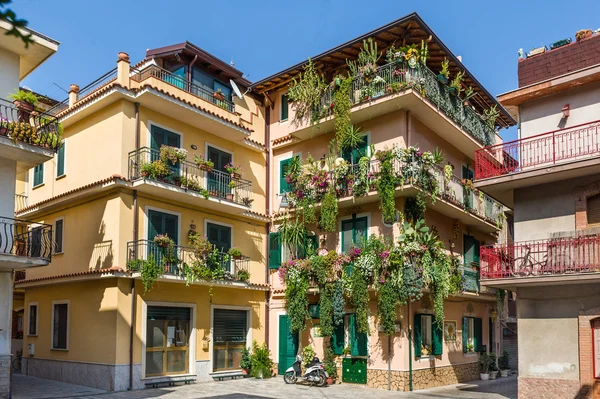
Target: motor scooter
315,373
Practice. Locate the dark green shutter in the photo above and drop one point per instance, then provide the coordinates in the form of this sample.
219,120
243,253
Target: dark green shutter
283,171
284,107
274,251
417,335
477,332
337,339
437,346
38,175
465,334
60,162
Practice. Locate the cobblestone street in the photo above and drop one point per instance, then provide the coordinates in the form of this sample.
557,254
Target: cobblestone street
37,388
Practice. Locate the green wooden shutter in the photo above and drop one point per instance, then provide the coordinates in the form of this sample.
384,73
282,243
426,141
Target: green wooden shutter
38,175
465,334
284,107
477,332
60,161
337,339
437,339
274,251
283,171
417,335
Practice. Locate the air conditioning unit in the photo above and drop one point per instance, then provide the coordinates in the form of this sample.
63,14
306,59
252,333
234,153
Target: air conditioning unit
30,349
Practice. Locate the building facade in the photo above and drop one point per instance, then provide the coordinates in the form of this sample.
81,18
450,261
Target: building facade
27,137
549,177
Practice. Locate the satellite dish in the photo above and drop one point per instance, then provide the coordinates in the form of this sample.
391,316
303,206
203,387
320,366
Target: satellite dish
236,89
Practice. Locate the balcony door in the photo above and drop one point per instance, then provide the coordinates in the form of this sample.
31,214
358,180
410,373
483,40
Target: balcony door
220,236
219,179
163,223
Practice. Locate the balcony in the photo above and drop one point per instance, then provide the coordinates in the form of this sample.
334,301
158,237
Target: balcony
557,155
396,87
561,260
24,244
28,137
188,183
154,71
175,261
453,199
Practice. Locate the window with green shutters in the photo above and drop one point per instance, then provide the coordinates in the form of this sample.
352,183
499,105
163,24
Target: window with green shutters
38,175
427,334
284,107
60,161
283,171
274,251
472,337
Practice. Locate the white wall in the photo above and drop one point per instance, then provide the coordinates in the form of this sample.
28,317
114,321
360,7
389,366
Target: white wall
545,114
9,73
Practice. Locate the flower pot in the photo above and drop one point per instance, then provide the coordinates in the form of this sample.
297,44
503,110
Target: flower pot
504,373
493,375
484,376
229,197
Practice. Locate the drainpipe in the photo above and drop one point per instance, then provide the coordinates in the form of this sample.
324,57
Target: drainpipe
267,212
410,374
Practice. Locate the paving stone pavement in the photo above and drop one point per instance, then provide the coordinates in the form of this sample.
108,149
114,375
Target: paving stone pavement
38,388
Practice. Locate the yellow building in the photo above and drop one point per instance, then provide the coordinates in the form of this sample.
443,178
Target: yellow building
96,316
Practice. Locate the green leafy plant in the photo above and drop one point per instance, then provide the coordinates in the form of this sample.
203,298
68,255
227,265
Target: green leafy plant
262,364
24,96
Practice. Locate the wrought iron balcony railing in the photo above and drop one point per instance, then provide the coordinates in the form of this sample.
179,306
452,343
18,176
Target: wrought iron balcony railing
173,261
560,146
191,177
29,126
553,256
26,238
392,78
202,92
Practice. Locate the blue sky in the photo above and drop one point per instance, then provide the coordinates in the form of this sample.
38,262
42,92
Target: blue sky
264,37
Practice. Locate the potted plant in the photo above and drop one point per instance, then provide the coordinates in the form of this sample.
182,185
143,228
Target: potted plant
205,164
484,366
25,101
246,361
330,366
493,366
235,253
234,170
219,95
444,73
242,275
503,364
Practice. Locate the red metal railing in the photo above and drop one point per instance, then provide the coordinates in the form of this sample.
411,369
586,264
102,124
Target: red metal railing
574,254
570,144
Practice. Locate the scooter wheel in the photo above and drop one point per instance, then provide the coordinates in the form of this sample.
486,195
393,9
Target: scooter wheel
290,377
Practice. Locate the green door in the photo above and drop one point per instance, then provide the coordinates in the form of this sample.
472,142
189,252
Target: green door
353,155
218,179
468,196
220,237
288,345
163,223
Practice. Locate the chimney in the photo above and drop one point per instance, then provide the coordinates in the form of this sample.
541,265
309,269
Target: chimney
73,94
123,69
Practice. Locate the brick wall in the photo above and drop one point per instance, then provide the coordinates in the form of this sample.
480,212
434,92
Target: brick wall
560,61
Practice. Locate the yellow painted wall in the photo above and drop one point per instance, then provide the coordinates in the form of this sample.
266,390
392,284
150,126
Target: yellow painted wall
93,316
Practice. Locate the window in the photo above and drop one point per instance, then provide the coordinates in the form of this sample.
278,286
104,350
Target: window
60,161
593,210
167,340
58,236
38,175
60,326
284,107
230,329
428,335
33,319
472,335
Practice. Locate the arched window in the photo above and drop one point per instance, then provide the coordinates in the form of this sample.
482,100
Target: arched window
593,210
